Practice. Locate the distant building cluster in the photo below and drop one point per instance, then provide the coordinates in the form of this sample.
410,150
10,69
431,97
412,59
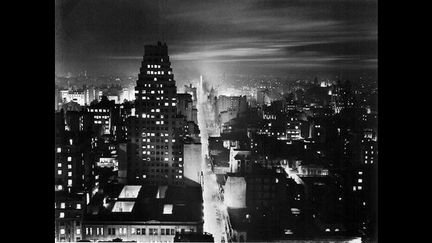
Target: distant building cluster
302,165
85,95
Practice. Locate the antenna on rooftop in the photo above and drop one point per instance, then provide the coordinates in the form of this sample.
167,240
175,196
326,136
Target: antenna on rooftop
161,25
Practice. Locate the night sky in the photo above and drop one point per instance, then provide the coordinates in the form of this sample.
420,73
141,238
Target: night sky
291,38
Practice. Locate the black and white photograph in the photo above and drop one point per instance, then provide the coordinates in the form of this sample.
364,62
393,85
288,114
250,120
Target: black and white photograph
216,121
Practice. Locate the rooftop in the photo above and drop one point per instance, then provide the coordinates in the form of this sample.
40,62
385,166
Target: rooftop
146,203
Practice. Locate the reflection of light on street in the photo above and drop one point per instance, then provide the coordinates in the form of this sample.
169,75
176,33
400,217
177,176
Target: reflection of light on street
222,207
212,218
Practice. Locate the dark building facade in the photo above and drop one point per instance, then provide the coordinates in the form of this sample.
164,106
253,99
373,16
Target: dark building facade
69,210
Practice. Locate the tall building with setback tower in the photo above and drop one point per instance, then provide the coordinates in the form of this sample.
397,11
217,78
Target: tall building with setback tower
155,152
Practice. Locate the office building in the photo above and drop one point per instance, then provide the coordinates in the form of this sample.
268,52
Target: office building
155,152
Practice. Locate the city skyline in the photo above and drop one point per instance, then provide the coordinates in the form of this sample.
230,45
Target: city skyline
216,121
298,39
262,166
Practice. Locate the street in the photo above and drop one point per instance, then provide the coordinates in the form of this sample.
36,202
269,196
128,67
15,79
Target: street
216,220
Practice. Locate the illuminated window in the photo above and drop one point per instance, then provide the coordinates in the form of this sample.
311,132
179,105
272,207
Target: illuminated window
69,159
58,150
59,165
69,182
78,231
62,215
69,166
360,180
59,172
78,206
153,231
122,231
62,231
62,205
69,173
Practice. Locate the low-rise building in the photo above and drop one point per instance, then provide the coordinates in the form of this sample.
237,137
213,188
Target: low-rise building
144,213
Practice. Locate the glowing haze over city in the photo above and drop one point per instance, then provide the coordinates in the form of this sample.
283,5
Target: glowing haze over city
296,39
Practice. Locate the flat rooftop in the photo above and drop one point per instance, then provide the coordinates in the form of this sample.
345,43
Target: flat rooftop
122,203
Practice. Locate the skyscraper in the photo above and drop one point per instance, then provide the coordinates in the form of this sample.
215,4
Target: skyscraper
155,152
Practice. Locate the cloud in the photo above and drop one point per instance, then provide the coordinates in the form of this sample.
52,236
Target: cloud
265,36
